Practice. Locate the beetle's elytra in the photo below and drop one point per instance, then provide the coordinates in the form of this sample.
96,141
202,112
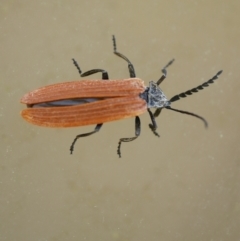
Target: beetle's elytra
88,102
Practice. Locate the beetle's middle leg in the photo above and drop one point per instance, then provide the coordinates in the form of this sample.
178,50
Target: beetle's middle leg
130,65
98,126
137,134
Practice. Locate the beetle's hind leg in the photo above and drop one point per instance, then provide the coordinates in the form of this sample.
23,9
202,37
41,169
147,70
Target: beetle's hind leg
130,65
137,134
90,72
97,128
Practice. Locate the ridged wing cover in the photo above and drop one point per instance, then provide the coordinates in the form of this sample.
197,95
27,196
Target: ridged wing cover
85,89
122,101
87,114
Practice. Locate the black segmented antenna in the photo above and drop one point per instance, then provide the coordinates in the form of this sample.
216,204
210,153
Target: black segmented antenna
190,92
196,89
189,113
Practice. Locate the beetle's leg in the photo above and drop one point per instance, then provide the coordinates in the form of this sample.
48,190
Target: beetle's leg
163,77
97,128
94,71
153,126
157,112
164,72
137,133
90,72
130,65
77,66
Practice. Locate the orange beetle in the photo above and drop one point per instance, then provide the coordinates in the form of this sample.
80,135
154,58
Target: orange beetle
87,102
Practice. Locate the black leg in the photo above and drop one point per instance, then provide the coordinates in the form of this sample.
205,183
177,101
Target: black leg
163,77
130,65
164,72
153,126
137,133
97,128
157,112
90,72
94,71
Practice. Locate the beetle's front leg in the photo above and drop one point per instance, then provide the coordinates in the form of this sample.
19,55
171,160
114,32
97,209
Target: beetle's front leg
153,126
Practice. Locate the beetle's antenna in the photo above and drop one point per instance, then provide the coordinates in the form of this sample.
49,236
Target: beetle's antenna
77,66
189,113
196,89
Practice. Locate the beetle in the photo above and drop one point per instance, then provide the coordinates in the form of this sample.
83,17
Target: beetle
88,102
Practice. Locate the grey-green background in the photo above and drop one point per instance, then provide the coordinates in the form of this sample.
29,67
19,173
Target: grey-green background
183,186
